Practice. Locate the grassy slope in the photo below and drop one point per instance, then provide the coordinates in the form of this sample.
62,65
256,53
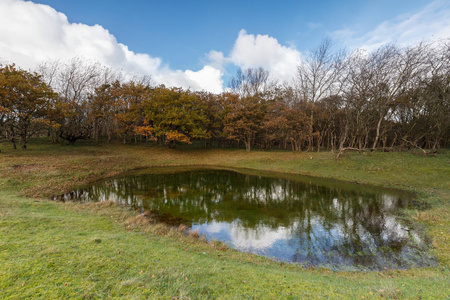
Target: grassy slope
52,250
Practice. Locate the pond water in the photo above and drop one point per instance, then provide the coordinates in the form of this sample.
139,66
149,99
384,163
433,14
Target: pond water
313,222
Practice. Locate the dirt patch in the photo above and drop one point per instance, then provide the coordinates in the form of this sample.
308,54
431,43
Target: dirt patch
25,167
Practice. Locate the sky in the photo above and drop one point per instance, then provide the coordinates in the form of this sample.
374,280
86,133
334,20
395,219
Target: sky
199,44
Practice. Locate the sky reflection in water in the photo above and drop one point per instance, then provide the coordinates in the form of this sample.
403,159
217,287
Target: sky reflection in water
304,220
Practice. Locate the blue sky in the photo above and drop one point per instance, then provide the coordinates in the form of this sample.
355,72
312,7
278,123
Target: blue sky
182,32
183,42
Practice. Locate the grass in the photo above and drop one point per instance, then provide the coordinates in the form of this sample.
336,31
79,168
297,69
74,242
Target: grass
54,250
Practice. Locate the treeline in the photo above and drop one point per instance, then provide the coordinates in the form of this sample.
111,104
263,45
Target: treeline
391,99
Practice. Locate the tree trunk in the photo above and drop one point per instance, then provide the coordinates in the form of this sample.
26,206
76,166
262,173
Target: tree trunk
341,144
247,146
378,134
171,144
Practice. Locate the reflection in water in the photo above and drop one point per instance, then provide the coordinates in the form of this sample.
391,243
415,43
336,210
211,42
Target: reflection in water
334,225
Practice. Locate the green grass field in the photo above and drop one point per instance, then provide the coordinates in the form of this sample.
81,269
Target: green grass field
51,250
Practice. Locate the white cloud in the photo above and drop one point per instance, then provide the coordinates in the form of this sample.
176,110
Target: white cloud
245,238
217,59
430,23
258,238
250,51
208,78
32,33
254,51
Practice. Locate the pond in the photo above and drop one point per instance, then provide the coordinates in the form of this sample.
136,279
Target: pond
314,222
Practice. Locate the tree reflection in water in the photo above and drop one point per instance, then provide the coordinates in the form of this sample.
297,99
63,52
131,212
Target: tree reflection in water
333,224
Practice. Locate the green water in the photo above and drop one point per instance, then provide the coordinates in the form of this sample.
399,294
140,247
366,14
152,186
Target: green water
313,222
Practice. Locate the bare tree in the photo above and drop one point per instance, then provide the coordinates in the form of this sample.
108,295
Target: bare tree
251,82
320,75
433,95
358,86
74,81
394,72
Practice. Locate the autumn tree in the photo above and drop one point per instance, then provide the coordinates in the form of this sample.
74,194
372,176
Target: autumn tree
244,118
279,119
130,101
176,116
103,108
299,124
215,112
274,125
24,103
